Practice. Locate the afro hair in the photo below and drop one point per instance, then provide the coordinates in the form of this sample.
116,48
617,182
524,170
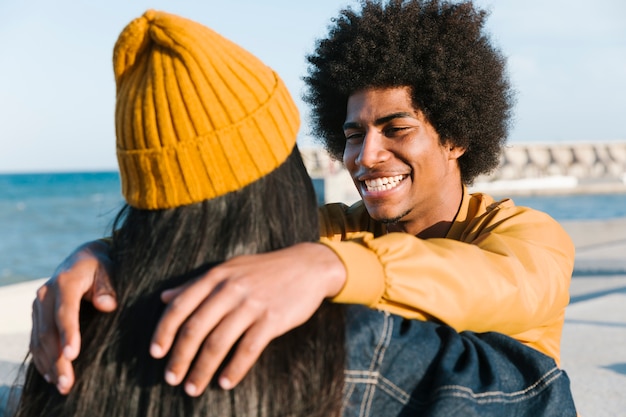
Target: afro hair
439,50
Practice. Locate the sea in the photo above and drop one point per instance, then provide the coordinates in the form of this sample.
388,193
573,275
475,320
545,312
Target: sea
44,216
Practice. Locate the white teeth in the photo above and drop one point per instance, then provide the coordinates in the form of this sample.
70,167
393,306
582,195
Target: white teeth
385,183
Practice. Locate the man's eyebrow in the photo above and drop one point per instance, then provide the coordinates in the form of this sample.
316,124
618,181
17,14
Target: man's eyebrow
399,115
351,125
379,121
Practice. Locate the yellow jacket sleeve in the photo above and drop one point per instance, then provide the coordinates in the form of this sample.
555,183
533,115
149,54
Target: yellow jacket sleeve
500,268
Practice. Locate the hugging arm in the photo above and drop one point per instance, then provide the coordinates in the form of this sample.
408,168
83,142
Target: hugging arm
252,298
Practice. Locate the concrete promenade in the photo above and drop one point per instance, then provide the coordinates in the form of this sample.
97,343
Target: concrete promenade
594,337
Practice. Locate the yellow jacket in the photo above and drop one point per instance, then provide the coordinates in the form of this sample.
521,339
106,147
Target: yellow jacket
500,268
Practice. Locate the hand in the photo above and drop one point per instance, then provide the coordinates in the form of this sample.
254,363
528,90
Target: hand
55,335
249,299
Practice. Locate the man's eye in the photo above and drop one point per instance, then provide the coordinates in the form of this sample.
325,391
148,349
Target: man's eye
394,131
354,136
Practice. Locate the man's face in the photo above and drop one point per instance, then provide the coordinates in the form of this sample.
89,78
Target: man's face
403,173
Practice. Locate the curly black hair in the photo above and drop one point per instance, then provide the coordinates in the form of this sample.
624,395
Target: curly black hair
439,50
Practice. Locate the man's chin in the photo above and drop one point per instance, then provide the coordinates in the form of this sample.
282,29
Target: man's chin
387,218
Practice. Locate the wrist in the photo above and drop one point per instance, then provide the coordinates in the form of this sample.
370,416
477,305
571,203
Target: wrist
331,267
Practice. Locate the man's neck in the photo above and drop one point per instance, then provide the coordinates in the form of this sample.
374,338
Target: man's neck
436,227
439,229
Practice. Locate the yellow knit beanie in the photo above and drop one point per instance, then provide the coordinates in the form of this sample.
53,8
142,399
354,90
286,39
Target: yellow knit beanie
196,116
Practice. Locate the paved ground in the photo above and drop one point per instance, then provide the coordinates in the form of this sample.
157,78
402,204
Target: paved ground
593,345
594,337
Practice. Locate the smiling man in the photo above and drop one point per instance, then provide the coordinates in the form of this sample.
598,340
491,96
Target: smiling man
414,98
407,178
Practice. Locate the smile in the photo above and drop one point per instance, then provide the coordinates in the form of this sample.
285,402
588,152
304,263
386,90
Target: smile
384,183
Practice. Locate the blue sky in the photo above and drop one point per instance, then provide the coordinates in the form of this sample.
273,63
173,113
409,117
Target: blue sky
567,60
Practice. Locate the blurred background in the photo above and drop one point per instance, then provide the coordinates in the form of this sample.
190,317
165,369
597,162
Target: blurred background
58,173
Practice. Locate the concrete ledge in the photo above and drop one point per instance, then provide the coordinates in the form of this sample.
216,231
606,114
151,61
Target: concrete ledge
16,306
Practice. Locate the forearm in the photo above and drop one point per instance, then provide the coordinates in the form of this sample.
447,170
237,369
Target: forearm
499,283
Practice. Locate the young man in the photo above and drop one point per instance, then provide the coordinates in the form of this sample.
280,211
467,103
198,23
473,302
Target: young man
414,98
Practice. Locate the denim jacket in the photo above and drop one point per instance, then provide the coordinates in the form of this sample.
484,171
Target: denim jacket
400,367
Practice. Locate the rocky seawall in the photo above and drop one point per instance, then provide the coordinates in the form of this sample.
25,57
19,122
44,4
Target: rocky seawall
560,168
525,168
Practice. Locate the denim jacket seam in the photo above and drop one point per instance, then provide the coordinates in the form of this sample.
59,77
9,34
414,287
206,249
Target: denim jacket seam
499,396
371,376
377,360
383,342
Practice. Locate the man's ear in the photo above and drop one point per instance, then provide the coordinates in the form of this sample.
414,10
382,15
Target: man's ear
454,151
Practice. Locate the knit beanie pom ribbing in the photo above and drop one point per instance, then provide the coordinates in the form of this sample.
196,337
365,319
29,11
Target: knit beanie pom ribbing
197,116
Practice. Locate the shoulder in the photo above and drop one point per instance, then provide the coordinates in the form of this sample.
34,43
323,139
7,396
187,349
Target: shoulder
486,214
484,205
337,220
512,223
503,216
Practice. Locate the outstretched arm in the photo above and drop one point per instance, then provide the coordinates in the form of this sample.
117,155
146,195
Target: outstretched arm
55,335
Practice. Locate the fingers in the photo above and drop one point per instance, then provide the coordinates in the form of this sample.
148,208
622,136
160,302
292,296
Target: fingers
55,336
206,321
83,276
177,312
64,375
246,301
104,297
241,319
188,342
247,352
169,295
45,345
67,309
190,325
44,341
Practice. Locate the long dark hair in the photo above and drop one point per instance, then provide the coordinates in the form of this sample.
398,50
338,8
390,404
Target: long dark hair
299,374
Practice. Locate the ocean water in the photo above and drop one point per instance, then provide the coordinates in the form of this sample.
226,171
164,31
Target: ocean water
578,206
43,217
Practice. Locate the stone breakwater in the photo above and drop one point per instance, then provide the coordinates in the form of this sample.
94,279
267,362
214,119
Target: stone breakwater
584,161
585,167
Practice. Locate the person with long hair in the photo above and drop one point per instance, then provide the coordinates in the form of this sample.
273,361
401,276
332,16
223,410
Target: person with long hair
210,170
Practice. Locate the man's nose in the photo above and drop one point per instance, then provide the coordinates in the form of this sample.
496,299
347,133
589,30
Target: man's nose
373,150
